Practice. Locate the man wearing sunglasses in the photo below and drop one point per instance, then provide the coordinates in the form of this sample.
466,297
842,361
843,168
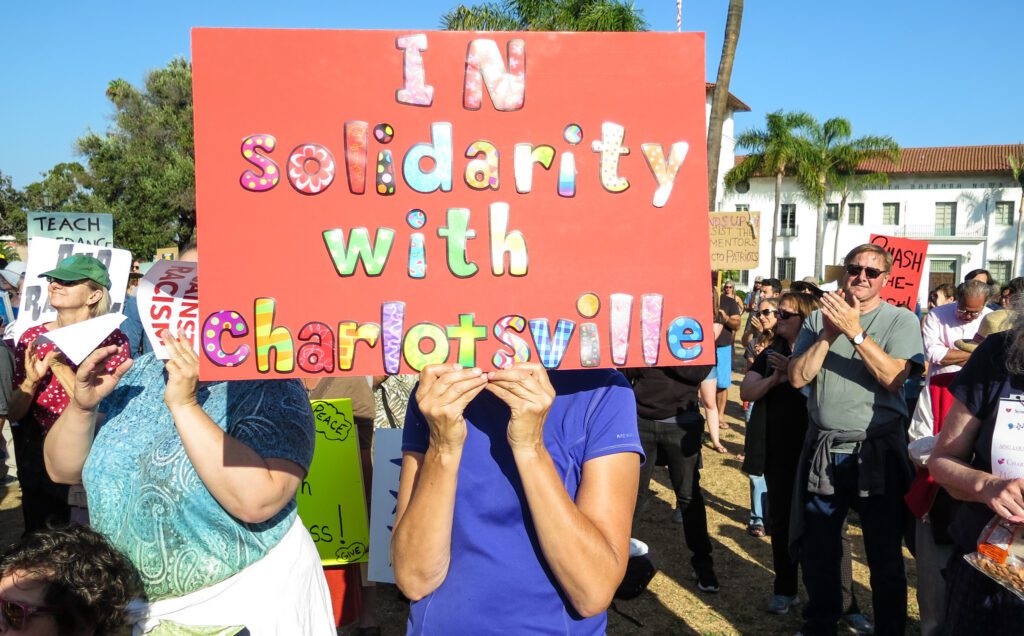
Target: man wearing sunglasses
854,354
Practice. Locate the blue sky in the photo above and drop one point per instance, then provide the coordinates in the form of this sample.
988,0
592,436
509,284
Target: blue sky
928,73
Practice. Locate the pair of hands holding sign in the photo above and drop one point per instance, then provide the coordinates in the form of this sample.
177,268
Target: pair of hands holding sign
445,391
94,381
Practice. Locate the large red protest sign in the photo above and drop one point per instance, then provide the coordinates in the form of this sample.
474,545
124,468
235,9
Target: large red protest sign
907,265
377,201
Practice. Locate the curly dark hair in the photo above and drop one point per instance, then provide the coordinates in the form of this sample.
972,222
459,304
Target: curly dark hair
86,577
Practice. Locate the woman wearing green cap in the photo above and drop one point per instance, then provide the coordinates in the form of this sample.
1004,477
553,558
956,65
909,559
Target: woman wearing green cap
79,290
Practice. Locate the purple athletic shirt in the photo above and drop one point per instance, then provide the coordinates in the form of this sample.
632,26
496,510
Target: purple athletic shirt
498,581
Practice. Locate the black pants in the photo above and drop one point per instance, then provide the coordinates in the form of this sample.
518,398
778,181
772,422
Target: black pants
679,445
42,502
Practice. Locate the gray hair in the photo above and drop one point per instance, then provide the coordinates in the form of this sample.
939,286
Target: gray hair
974,288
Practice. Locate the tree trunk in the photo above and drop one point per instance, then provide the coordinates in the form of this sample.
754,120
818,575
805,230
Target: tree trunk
775,217
720,100
1016,246
819,233
839,225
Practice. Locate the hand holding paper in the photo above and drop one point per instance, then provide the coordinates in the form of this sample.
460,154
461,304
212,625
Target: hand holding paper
443,394
182,372
528,392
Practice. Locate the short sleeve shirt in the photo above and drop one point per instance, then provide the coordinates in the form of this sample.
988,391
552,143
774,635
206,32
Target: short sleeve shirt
844,395
147,498
731,308
51,399
498,581
980,386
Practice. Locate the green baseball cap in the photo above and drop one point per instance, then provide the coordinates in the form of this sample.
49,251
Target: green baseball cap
79,267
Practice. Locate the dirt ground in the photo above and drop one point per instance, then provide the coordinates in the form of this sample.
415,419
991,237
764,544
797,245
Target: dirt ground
672,604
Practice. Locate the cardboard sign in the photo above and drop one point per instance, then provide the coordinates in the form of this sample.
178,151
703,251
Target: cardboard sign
167,253
91,228
405,199
45,254
168,298
734,241
907,265
331,500
387,469
1008,439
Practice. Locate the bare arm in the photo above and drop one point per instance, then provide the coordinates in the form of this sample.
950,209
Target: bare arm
890,372
949,466
935,350
955,356
805,367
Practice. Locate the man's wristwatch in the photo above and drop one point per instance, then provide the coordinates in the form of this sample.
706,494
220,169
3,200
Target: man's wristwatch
859,338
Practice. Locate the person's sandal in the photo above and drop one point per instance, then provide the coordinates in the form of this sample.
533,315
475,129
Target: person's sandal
756,530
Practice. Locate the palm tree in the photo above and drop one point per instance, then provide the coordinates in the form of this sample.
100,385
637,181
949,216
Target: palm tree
831,157
849,178
1017,166
774,150
546,15
721,97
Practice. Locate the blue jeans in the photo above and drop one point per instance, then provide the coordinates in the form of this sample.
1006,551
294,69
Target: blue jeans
881,518
758,500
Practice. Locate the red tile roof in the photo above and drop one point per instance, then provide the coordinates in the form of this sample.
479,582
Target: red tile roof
734,102
944,160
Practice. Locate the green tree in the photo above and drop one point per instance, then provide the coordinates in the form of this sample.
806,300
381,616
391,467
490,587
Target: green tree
830,157
774,151
10,205
546,15
720,99
143,168
849,178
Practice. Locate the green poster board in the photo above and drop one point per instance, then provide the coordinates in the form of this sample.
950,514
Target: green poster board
331,501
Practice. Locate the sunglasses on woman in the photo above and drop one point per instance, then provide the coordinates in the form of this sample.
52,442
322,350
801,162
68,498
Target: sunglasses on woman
786,315
855,270
65,283
17,614
768,312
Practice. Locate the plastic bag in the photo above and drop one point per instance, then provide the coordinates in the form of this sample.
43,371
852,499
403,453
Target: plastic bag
1000,554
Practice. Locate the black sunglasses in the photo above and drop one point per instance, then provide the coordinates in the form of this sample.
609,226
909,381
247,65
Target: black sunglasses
786,315
768,312
855,270
17,614
65,283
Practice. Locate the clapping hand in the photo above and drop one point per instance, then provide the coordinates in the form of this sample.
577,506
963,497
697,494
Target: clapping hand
781,365
841,315
527,391
93,381
444,392
36,368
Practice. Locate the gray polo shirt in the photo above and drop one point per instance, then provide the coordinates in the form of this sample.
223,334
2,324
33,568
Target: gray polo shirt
844,395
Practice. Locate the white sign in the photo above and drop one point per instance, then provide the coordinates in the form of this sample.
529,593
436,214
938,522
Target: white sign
92,228
168,298
77,341
1008,440
45,254
387,468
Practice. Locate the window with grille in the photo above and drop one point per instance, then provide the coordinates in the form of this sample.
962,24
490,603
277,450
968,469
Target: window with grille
856,216
890,214
786,268
945,219
787,220
1000,271
742,207
831,211
1004,213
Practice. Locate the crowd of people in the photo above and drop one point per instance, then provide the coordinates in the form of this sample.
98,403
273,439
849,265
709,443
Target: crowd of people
154,501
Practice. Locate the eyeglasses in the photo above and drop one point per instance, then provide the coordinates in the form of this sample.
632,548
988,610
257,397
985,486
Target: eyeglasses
17,614
727,287
768,312
786,315
65,283
855,270
965,312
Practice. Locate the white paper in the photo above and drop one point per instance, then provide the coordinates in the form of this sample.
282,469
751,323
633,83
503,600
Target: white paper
168,298
387,468
1008,440
77,341
44,254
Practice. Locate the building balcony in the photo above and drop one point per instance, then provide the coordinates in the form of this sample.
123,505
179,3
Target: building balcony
943,234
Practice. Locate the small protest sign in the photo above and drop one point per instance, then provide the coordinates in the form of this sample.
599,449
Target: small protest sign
734,240
387,469
167,253
168,299
91,228
77,341
44,254
331,500
908,256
